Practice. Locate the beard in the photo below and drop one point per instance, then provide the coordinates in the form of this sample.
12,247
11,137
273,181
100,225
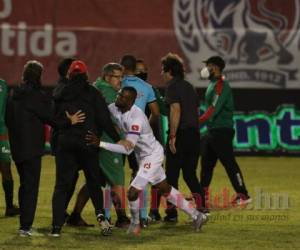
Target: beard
211,76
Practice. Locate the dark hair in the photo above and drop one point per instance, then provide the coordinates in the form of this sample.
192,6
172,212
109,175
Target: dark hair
129,62
174,64
64,65
110,67
132,91
217,61
32,73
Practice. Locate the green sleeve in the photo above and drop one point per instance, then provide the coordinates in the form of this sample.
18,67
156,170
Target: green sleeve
218,101
161,102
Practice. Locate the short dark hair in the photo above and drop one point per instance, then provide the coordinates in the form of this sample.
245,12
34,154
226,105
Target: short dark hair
64,65
110,67
216,60
129,62
32,73
174,64
132,91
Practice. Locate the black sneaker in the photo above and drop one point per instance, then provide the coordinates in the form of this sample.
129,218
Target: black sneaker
154,216
55,232
171,219
106,229
12,211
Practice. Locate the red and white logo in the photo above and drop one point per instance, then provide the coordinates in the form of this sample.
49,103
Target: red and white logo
257,39
147,165
135,127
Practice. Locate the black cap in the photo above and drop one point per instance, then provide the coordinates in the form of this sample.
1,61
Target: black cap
216,60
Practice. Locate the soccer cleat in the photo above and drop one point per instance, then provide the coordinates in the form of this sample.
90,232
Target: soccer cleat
205,218
106,229
199,221
55,232
134,229
206,214
12,211
241,200
154,216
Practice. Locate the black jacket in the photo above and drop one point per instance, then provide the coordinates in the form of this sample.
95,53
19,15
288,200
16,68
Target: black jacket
80,95
28,109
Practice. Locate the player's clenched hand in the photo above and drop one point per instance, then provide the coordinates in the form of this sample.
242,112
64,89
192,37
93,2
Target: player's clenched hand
78,117
92,139
128,145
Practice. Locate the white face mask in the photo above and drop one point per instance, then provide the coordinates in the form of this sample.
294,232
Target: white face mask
204,73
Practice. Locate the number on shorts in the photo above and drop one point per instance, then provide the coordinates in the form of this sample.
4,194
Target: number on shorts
147,165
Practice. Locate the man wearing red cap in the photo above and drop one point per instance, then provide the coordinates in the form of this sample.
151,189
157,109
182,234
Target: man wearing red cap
72,151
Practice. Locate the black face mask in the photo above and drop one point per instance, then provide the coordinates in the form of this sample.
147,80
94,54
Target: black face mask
142,75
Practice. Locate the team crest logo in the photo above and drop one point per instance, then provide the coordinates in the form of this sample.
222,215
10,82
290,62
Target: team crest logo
135,127
257,38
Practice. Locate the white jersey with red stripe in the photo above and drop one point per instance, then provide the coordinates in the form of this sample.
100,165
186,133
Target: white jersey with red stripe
135,122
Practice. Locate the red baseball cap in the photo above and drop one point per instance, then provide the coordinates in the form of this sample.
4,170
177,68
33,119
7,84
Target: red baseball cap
77,67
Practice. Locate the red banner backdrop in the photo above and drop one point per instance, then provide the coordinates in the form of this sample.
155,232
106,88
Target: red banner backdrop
260,40
96,31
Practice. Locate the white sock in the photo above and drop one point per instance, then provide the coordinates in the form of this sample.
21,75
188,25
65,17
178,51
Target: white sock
134,210
176,198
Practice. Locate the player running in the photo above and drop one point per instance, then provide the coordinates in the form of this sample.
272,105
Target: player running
149,154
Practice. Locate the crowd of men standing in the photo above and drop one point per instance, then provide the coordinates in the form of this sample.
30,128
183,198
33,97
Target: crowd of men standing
77,107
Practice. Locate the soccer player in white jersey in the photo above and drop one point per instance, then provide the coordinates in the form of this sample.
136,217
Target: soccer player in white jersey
149,154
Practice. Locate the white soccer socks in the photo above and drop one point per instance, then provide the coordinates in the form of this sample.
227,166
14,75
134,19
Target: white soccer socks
134,210
177,199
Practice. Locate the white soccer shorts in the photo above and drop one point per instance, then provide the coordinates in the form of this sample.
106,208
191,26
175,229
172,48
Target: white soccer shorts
150,171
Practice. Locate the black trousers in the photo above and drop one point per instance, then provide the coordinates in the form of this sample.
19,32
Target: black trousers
217,144
186,158
29,172
68,159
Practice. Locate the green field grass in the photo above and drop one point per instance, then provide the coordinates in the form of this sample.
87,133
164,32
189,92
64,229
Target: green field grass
258,227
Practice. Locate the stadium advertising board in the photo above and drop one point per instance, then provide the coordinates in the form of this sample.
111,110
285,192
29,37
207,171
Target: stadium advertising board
261,132
258,39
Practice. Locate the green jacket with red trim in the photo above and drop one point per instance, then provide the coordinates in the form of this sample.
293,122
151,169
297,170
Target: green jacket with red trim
220,106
